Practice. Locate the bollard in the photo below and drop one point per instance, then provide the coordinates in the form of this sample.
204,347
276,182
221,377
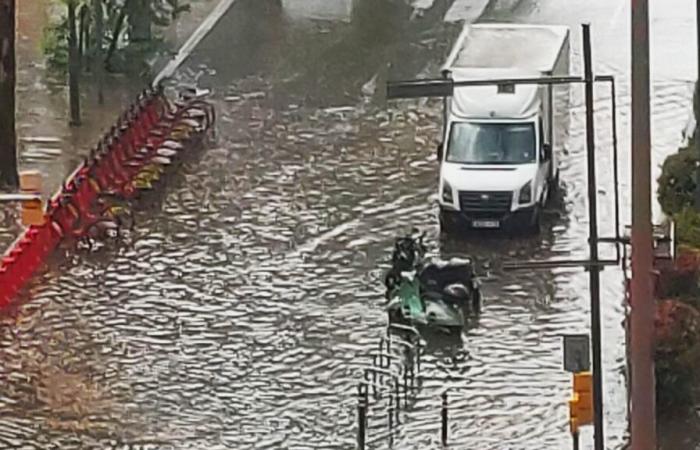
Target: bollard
374,383
391,426
444,419
365,397
398,398
418,352
361,416
405,386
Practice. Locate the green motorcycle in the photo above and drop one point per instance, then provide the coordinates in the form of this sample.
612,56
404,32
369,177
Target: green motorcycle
434,293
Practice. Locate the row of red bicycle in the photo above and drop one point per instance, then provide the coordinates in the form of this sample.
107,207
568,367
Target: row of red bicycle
132,157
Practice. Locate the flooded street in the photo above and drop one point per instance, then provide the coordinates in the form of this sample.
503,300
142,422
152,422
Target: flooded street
238,314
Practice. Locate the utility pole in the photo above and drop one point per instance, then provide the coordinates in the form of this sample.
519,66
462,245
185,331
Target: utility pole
8,136
73,66
593,270
643,397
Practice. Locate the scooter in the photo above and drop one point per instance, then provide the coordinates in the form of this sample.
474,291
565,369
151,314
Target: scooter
433,293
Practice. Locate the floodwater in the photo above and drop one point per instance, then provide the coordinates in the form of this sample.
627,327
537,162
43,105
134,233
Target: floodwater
239,313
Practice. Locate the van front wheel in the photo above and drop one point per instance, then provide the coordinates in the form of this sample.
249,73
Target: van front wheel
446,223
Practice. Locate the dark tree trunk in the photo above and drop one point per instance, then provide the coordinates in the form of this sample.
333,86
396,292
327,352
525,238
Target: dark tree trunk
139,13
116,32
73,66
8,137
99,54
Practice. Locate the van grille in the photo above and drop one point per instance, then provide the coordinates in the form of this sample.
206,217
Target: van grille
483,201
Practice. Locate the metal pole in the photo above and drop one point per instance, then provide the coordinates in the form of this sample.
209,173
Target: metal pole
643,408
405,387
418,352
73,66
361,416
574,437
391,426
443,433
397,384
616,176
599,437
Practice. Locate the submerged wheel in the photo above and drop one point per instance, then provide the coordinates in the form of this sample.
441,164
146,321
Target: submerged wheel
476,301
447,225
534,228
552,190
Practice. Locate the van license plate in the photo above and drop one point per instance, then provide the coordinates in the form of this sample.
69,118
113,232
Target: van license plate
486,224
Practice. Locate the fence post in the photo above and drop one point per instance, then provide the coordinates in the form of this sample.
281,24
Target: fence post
391,426
397,384
405,386
444,419
361,416
418,352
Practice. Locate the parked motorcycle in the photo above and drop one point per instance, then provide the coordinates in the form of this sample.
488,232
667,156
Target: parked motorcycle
434,292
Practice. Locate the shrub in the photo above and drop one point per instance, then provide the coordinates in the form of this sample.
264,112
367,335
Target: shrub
677,182
688,227
55,45
677,354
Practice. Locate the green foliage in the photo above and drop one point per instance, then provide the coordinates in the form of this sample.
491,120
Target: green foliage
688,227
675,379
55,45
677,362
677,358
114,13
677,182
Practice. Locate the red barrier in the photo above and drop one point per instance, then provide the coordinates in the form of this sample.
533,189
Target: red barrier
125,153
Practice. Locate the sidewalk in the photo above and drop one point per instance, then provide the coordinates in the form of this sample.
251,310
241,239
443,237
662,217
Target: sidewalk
45,141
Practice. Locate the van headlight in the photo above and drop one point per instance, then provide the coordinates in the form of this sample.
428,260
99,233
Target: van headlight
447,192
525,193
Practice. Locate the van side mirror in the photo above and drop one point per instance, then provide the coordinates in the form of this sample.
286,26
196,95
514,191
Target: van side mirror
547,151
439,151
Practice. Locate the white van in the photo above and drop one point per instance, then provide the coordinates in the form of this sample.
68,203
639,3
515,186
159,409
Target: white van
500,150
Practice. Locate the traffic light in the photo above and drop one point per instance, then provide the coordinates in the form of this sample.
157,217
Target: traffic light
32,212
581,403
30,182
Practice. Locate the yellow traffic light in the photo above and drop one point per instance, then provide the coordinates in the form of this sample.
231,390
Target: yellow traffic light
581,403
583,382
32,212
30,183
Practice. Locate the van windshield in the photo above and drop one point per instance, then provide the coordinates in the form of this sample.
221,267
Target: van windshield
491,143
